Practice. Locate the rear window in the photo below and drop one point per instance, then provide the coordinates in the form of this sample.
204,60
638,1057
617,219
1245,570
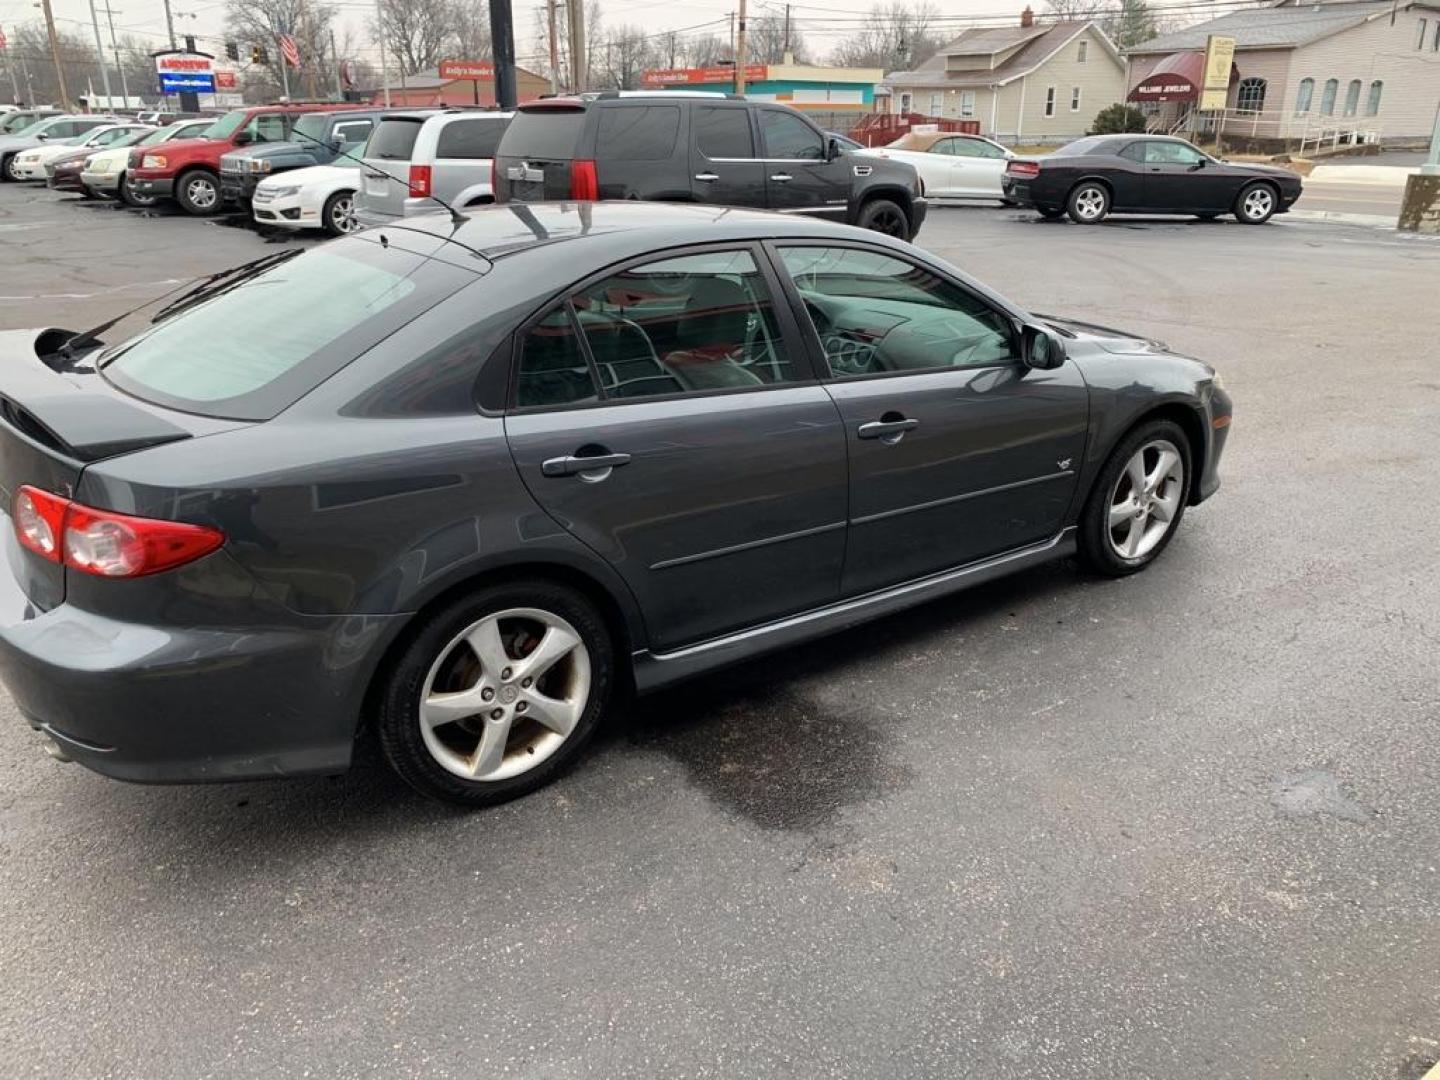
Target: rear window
255,349
544,133
637,132
394,139
1078,148
469,139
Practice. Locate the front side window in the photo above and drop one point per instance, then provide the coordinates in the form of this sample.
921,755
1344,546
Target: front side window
1327,99
1172,153
1251,95
638,132
1304,96
876,314
1049,101
722,133
1372,107
687,325
789,138
1352,97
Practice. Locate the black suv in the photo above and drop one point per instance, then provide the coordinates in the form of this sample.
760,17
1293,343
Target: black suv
695,147
318,138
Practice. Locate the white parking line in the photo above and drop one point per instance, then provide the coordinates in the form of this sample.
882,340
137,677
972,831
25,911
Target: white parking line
89,296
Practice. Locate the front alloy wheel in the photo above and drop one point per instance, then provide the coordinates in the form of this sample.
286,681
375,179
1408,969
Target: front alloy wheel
339,213
199,193
12,169
498,693
1137,501
1256,204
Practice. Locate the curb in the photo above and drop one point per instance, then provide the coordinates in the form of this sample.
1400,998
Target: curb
1336,217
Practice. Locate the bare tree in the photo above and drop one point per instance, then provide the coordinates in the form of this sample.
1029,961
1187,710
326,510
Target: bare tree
29,42
704,50
1074,10
895,38
417,32
261,22
470,25
767,40
628,52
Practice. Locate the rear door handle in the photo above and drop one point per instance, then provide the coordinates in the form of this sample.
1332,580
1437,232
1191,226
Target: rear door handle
782,178
708,177
571,465
890,430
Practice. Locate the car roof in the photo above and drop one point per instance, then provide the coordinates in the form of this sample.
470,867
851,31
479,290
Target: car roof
629,227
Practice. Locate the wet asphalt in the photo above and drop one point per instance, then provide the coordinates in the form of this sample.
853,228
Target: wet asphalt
1179,825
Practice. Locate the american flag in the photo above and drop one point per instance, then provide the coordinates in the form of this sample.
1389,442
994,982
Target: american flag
3,42
289,50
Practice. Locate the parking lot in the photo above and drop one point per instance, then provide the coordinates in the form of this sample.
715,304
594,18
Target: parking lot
1181,824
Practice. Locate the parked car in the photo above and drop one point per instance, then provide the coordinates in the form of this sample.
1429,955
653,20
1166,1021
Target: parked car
188,170
13,123
415,155
106,173
463,482
674,146
952,166
1093,177
320,197
164,117
49,129
64,173
317,139
35,164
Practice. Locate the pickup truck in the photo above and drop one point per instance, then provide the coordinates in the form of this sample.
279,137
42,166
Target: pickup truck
188,170
316,139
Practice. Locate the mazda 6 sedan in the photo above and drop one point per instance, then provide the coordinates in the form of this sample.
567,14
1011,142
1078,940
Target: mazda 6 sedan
461,484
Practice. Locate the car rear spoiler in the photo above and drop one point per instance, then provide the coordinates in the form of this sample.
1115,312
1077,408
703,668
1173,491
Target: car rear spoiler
58,410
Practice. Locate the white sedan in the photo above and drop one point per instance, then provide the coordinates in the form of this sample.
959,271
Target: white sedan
30,164
952,166
318,197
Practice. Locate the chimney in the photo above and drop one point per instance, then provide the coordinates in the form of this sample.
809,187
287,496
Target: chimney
1027,17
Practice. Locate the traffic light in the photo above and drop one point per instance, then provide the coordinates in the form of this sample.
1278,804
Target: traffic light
257,55
232,51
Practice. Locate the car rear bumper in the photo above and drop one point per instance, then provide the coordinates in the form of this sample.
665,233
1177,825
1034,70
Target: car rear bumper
1021,193
175,704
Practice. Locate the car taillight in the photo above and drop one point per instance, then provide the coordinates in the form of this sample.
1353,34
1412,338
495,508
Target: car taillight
1023,168
584,181
420,180
104,543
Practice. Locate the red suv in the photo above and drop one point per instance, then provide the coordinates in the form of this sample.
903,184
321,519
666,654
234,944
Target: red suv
188,170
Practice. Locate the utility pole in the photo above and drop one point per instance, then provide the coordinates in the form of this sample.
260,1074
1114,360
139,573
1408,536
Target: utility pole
115,44
170,24
785,50
100,55
335,68
384,53
554,47
502,48
740,53
578,74
55,56
14,84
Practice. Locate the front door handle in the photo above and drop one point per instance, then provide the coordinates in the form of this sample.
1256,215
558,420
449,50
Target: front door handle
587,467
782,178
890,431
707,177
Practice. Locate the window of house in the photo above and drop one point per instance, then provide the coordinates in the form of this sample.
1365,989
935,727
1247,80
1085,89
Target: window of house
1304,96
1075,99
1081,52
1049,101
907,102
1435,41
1372,107
1352,97
690,324
876,314
967,102
1251,95
935,104
1420,40
1327,99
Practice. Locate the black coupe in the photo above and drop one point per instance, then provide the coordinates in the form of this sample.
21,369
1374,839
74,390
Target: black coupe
1146,174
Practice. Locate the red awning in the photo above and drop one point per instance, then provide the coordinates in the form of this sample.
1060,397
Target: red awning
1178,77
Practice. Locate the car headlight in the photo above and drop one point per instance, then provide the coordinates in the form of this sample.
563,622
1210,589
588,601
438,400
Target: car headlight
260,165
153,161
30,157
281,192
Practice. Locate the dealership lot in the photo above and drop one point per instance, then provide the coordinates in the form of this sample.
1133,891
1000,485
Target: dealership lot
1178,824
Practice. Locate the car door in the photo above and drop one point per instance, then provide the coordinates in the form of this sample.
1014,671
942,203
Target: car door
981,166
1180,177
666,415
958,450
724,166
798,175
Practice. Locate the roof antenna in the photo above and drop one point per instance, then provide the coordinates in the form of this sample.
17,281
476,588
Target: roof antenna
456,218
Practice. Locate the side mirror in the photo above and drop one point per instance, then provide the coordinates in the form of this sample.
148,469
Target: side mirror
43,137
832,149
1042,348
243,138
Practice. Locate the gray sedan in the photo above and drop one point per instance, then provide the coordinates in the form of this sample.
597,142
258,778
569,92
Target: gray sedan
461,484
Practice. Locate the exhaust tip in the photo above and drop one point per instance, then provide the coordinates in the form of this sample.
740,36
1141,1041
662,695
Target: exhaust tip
57,752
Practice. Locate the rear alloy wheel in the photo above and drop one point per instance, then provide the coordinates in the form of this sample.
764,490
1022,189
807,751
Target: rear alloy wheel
1088,203
498,693
338,217
885,217
130,197
1138,500
198,193
1255,204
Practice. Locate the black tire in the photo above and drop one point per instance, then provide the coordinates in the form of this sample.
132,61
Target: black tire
129,197
398,716
329,218
1049,215
885,217
198,192
1097,546
7,169
1256,203
1089,203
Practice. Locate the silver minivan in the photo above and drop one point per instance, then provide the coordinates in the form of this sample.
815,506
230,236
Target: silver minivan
414,155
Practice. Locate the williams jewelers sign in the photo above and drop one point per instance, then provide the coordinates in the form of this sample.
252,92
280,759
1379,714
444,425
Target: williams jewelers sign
185,73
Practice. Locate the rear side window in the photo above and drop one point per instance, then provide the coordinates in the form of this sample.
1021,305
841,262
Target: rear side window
394,139
469,139
544,133
638,132
553,368
251,351
723,133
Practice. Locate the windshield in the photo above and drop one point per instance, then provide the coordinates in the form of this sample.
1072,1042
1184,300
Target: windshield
304,318
131,138
226,126
152,137
14,125
310,128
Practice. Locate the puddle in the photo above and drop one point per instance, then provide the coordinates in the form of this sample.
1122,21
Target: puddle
1315,791
774,758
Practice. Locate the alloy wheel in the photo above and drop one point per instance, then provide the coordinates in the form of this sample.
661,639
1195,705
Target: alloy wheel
342,214
12,168
505,694
889,223
1090,203
1146,499
201,193
1258,204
